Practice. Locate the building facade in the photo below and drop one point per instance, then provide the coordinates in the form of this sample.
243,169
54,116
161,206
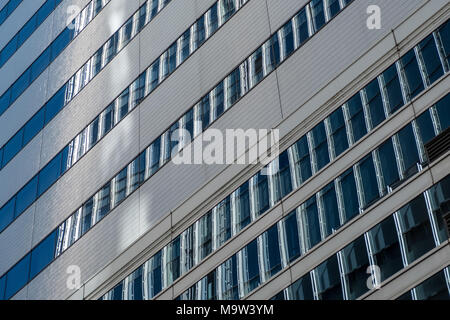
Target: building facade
95,98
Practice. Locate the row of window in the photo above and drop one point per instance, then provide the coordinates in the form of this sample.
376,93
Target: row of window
367,181
8,9
363,264
140,169
158,153
25,32
49,54
437,287
216,16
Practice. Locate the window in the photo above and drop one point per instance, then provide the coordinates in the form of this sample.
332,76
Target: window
301,160
227,9
310,220
138,90
356,262
328,280
408,149
154,156
412,74
172,58
301,26
444,35
44,11
204,229
187,246
111,48
233,91
7,214
320,146
393,88
135,175
20,85
442,111
12,148
33,126
4,101
270,252
259,194
40,64
200,31
416,228
61,42
333,8
218,100
120,186
17,277
153,76
49,174
386,248
227,278
434,288
356,117
287,36
104,202
135,289
281,183
222,223
291,234
430,59
153,269
213,19
26,31
185,41
241,208
256,65
172,267
388,165
425,127
86,215
374,103
248,268
338,132
329,209
2,287
369,183
55,104
26,196
301,289
204,112
349,195
439,194
318,13
43,254
122,105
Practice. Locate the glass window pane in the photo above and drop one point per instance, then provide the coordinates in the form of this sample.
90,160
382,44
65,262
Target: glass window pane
393,88
104,201
55,104
426,128
33,126
388,164
200,28
154,156
17,277
333,7
228,8
222,222
241,208
61,42
412,74
318,13
310,221
328,280
172,268
329,205
205,236
40,64
185,41
386,248
320,145
227,278
120,186
338,132
20,85
442,111
349,195
271,252
409,153
154,275
444,34
302,160
7,214
356,262
249,268
172,58
301,289
356,117
292,237
43,254
26,196
432,62
13,147
49,174
287,39
416,228
375,103
439,194
301,24
368,181
26,31
260,194
434,288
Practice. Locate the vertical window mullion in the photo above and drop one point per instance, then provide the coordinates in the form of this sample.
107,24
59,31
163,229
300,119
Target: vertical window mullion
342,269
422,69
403,82
401,238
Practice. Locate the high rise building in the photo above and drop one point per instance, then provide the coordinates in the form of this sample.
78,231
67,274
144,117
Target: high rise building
98,97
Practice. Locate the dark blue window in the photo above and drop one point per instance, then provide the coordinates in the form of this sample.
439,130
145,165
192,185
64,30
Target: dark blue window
20,85
65,161
7,214
120,186
153,8
311,220
442,110
43,254
26,31
328,280
2,287
108,119
17,277
173,264
252,267
154,76
185,45
86,216
126,32
137,284
258,70
8,51
320,145
284,175
61,42
49,174
412,73
302,26
213,19
334,8
410,155
357,119
40,64
274,51
201,34
330,208
288,39
349,195
219,102
12,147
434,288
4,101
386,248
431,59
416,228
172,57
97,62
33,126
45,10
338,132
356,262
368,180
301,289
425,125
117,292
242,206
55,104
205,110
26,196
123,104
318,13
104,201
393,88
273,251
303,159
205,235
228,8
154,156
375,103
292,237
444,34
262,194
388,164
234,87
